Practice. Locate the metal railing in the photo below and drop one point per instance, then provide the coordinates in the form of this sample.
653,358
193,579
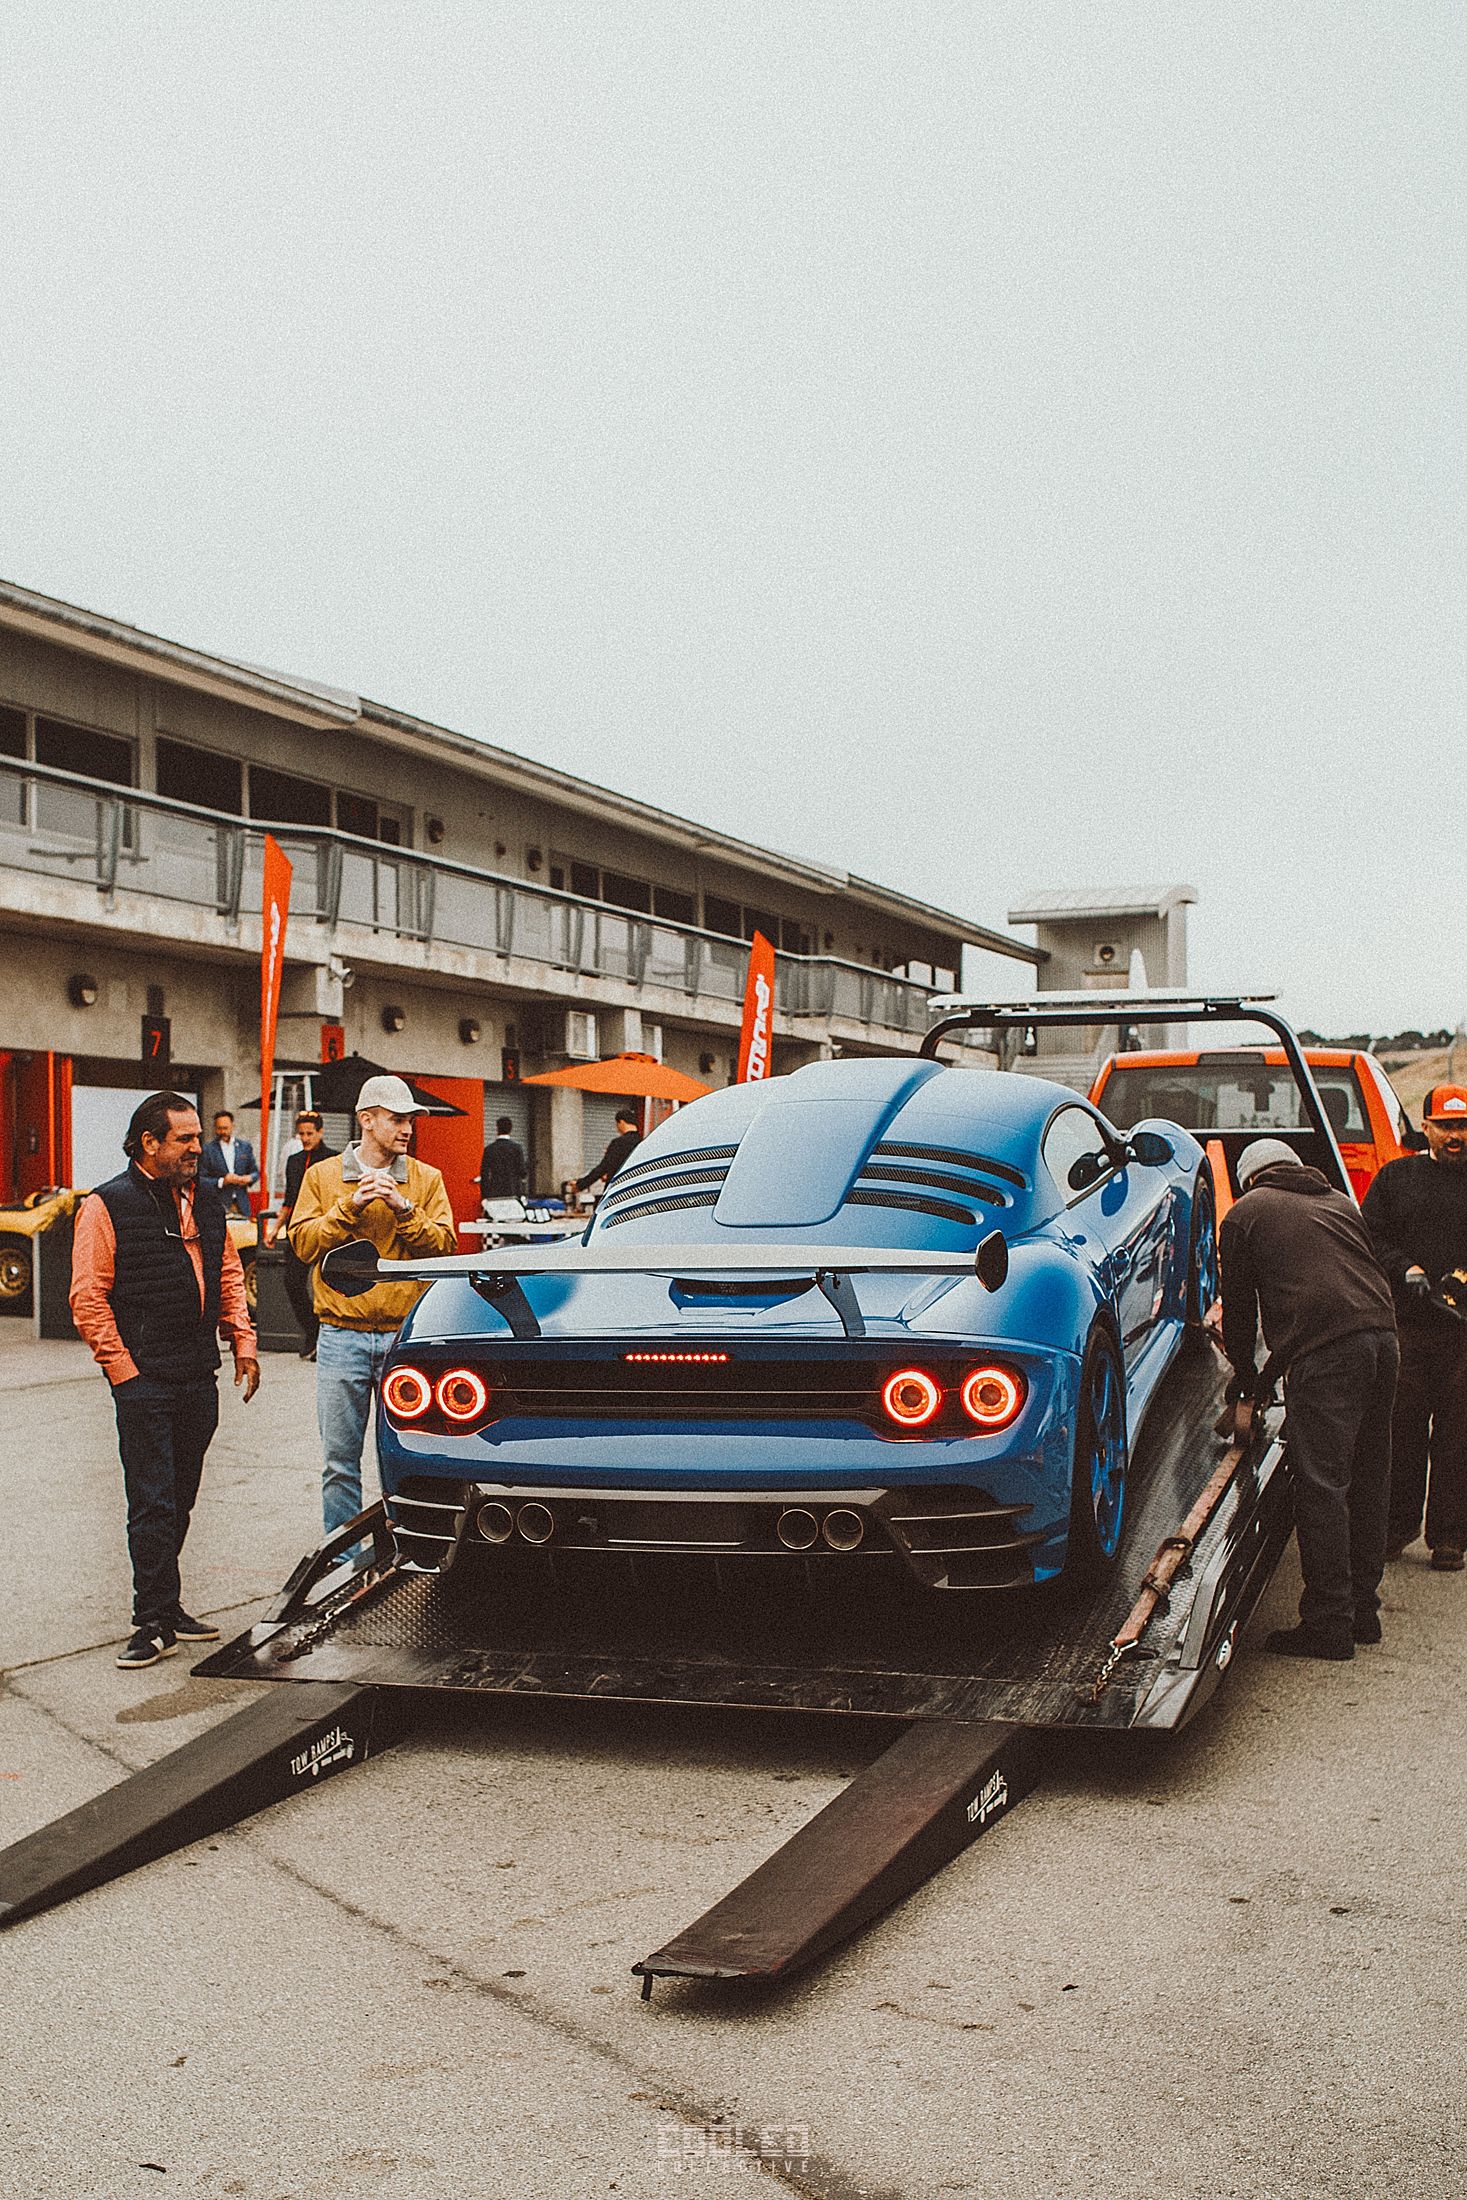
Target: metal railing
118,841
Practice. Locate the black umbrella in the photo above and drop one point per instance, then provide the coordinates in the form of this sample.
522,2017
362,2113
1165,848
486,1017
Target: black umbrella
336,1085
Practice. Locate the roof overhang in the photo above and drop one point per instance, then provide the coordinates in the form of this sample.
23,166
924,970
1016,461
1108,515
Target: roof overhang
133,650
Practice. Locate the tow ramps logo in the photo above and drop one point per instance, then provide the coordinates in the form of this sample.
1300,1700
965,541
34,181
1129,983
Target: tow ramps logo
333,1749
991,1798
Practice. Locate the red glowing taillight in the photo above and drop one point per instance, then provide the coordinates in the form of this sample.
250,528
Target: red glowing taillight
992,1396
911,1397
407,1394
462,1395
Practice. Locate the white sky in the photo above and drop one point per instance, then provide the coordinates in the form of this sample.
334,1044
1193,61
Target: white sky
984,447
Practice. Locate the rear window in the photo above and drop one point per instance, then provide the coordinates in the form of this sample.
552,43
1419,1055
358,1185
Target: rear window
1234,1096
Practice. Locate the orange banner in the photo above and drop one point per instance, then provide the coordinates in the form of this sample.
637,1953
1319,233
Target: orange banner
756,1040
275,909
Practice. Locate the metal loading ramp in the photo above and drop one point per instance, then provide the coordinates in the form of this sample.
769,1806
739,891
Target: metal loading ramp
823,1638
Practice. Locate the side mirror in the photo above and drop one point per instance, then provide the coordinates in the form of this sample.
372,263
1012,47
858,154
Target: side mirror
1149,1149
991,1261
351,1269
1088,1169
1413,1140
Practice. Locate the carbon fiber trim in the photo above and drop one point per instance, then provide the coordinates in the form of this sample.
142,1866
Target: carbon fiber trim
914,1204
931,1180
662,1207
1001,1169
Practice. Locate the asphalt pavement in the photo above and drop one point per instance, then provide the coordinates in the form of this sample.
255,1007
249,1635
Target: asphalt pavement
1225,1964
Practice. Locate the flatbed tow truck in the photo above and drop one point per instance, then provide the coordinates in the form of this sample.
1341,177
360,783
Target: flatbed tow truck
973,1686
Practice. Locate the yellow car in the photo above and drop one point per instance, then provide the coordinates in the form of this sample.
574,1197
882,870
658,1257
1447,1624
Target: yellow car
20,1226
31,1217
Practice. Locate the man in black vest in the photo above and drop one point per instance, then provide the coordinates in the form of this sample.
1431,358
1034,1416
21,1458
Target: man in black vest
155,1279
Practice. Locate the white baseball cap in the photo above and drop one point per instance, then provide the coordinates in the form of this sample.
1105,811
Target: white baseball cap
393,1093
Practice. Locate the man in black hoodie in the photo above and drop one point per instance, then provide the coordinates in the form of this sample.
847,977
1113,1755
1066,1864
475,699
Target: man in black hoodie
1416,1212
1296,1253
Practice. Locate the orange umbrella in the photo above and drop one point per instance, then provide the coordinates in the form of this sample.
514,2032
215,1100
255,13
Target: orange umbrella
641,1075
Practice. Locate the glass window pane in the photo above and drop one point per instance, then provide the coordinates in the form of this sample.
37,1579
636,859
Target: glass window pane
78,749
677,908
279,798
200,776
723,916
12,731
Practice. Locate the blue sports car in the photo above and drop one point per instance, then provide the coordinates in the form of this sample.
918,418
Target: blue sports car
878,1312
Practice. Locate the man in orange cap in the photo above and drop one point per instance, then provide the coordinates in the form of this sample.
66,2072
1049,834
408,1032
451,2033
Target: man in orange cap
1416,1211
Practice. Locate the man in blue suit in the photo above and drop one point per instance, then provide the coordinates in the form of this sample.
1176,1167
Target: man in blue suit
230,1163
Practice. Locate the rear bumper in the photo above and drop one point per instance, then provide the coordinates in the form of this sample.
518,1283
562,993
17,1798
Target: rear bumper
945,1536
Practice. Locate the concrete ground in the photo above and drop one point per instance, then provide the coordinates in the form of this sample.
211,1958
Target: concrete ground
1228,1964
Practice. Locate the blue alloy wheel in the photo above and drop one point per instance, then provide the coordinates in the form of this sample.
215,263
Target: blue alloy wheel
1203,1283
1098,1488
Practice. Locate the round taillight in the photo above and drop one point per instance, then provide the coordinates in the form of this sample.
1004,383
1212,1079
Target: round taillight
407,1394
462,1395
911,1397
992,1396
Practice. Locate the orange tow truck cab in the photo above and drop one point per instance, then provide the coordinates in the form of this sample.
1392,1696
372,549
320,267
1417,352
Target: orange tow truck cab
1227,1097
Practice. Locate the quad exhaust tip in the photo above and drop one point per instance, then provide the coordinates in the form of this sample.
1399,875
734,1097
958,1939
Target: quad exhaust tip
797,1529
843,1529
536,1523
495,1522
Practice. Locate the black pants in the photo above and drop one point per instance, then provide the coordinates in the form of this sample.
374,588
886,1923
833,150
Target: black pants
298,1289
1430,1423
1338,1406
163,1432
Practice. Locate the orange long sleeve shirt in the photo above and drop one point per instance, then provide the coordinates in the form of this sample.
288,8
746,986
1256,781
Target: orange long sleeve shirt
94,1266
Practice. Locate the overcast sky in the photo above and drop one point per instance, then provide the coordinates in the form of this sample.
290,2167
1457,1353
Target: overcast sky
983,447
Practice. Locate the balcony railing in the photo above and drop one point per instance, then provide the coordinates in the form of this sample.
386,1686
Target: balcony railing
118,842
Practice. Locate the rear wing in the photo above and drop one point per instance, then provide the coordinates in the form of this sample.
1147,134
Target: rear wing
495,1273
963,1012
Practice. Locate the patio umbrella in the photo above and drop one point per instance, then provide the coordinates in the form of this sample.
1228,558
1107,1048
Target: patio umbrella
639,1076
336,1085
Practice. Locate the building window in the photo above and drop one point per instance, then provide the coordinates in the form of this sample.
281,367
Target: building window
12,732
586,881
78,749
723,916
626,893
201,776
279,798
677,908
794,939
759,920
365,819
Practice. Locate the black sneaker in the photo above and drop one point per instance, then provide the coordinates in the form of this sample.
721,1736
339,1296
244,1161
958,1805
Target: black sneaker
1367,1627
1311,1642
148,1645
193,1630
1447,1558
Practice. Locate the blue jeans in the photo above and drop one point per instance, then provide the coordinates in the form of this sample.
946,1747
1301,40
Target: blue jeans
349,1364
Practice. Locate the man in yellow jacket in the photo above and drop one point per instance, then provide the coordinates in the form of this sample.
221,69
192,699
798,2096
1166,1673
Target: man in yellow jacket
375,1192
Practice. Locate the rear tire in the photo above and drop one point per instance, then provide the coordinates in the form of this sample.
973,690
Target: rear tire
16,1264
1202,1269
1101,1460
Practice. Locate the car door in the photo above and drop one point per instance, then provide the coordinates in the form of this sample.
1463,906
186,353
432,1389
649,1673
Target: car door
1117,1214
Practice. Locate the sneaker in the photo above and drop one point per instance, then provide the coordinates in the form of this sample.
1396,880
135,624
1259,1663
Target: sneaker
148,1645
193,1630
1311,1642
1447,1558
1367,1627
